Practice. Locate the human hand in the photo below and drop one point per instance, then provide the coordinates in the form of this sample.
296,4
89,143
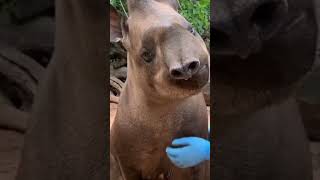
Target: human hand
191,151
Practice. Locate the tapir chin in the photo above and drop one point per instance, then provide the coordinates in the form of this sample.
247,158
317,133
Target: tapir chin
168,64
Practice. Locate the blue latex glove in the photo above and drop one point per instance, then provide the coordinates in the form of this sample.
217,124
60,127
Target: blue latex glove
194,150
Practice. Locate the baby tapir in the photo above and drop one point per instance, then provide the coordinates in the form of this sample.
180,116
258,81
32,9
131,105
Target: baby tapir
168,64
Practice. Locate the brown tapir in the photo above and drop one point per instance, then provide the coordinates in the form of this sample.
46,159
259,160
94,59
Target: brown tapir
168,64
67,136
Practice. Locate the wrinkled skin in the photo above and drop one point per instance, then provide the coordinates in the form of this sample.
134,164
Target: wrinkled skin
262,50
67,132
158,104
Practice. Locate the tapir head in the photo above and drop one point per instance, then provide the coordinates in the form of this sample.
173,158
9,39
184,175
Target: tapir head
166,55
260,48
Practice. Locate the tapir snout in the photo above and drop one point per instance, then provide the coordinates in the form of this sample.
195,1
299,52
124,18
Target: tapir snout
239,27
186,69
185,56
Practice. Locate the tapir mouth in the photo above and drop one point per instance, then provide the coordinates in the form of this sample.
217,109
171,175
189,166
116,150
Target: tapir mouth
197,81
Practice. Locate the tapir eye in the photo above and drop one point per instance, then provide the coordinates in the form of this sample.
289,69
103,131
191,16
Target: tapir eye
147,55
192,30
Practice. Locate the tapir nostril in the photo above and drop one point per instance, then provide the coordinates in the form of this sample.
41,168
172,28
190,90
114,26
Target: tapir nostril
193,66
176,73
186,71
265,14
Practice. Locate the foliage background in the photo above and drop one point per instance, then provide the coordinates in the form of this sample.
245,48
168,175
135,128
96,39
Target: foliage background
197,12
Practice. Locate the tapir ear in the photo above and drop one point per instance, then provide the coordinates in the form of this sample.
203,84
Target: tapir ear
118,28
115,25
173,3
125,33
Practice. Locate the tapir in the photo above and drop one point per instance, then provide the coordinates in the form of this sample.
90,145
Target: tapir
67,135
262,49
168,65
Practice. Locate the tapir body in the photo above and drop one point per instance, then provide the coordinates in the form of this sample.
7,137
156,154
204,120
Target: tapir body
140,135
263,50
168,64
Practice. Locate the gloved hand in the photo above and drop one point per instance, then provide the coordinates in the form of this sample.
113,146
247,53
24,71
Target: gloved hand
194,150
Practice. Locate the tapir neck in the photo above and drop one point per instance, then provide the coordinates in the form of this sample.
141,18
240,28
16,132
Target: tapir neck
266,140
140,95
79,33
286,105
70,106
